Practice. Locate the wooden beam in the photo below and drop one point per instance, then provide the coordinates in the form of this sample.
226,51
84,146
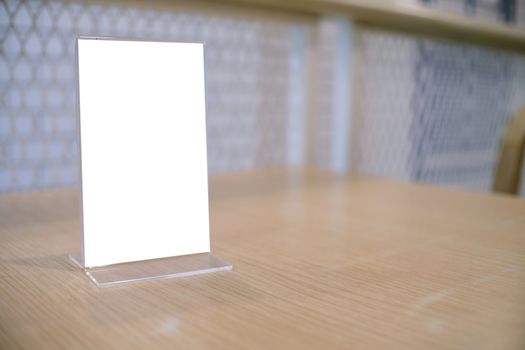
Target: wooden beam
412,18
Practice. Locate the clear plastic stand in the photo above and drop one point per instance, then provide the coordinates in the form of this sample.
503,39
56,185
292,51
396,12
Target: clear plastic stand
156,269
174,150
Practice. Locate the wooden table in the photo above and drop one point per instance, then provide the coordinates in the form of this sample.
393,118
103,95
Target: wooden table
320,262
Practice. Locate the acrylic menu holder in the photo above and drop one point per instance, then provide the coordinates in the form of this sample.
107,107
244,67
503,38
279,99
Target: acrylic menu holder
144,197
155,269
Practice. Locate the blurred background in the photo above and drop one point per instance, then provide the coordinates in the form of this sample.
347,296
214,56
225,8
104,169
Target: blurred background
334,87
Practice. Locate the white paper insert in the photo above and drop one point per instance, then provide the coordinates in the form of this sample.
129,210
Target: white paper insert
143,150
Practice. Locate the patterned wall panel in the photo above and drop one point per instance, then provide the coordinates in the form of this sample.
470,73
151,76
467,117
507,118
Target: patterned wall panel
430,110
250,63
465,96
385,87
462,104
433,111
399,106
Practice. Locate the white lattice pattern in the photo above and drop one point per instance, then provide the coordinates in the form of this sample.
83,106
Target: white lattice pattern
247,70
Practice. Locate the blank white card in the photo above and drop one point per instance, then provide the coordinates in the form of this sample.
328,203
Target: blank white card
143,150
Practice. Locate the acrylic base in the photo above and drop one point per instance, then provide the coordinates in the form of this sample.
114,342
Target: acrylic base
137,271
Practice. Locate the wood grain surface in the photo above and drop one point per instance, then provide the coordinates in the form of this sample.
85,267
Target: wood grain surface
320,262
